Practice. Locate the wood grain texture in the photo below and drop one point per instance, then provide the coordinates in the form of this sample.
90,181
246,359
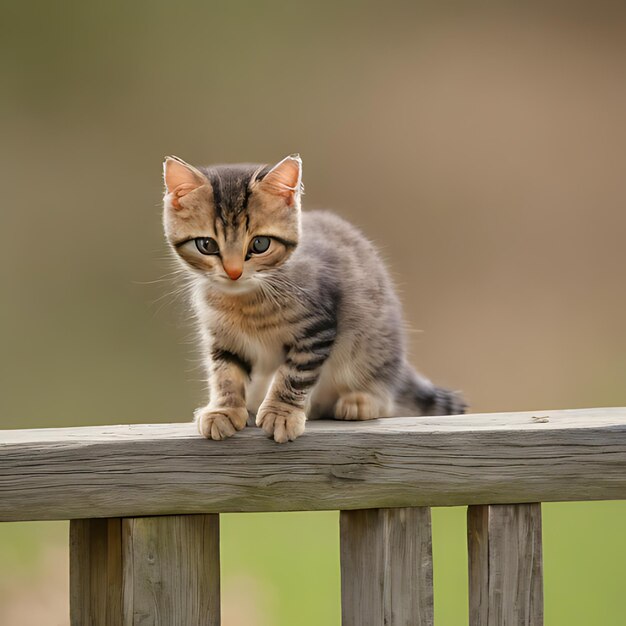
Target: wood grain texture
171,571
386,567
505,565
96,572
130,471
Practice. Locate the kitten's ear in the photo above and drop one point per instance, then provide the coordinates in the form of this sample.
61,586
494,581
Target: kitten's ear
285,179
180,179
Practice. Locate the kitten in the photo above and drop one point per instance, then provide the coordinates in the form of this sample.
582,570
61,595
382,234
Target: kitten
297,314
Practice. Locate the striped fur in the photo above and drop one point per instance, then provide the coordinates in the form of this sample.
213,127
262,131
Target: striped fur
311,329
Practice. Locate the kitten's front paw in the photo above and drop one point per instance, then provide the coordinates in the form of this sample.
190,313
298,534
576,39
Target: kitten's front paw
357,405
220,422
281,421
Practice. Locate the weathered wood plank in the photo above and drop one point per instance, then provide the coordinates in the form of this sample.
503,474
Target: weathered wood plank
171,570
505,565
129,471
386,567
96,572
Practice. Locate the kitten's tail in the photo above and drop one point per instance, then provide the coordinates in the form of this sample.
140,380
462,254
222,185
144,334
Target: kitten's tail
416,395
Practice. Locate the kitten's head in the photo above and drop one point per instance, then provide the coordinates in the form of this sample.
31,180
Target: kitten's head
231,224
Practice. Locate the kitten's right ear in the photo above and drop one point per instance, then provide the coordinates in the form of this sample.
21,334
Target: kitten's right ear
180,179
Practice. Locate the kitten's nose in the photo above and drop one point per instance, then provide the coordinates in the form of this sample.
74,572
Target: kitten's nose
233,271
232,261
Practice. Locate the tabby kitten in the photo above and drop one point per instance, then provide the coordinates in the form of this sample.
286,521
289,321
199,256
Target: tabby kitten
297,314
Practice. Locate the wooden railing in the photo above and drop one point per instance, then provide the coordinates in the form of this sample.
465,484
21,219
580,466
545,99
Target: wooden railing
144,502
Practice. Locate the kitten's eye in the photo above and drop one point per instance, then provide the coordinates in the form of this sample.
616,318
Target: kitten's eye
260,245
206,245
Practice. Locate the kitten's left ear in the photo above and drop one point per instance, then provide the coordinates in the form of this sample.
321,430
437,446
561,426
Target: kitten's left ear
285,179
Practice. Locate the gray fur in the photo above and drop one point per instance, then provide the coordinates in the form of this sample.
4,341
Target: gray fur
343,278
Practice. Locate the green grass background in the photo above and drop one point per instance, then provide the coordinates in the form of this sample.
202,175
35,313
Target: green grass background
293,558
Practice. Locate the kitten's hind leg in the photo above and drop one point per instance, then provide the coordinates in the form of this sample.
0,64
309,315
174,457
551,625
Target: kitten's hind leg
360,405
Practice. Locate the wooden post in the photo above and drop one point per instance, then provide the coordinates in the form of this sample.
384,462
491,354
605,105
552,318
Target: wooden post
171,570
386,567
96,572
505,565
145,571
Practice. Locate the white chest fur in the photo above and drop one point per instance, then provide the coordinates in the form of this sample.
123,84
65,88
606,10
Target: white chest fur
266,359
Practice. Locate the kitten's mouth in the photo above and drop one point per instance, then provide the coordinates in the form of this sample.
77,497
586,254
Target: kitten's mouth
226,285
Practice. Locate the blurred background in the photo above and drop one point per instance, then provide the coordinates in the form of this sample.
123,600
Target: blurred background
481,146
